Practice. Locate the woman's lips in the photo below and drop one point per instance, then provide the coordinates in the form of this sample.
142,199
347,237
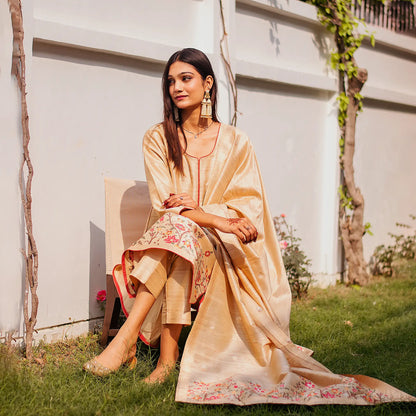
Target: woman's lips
180,97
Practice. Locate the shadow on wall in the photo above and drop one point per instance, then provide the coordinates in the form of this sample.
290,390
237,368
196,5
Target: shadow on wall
97,272
97,58
19,323
273,31
265,15
320,38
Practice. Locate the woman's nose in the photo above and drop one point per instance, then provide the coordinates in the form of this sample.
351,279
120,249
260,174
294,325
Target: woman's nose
178,86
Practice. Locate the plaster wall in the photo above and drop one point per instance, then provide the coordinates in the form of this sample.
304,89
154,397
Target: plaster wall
290,153
389,69
12,238
386,171
10,145
79,143
170,22
272,39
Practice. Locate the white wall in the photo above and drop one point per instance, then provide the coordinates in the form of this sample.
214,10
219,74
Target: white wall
94,88
386,169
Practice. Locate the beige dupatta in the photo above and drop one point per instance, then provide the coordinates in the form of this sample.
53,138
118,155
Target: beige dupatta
239,350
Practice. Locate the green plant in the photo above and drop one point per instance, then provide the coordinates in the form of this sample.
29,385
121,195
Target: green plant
295,260
404,247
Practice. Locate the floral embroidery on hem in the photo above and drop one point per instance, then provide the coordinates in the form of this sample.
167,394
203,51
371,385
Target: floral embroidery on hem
179,235
304,391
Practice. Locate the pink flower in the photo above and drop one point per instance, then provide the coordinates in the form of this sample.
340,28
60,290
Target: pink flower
283,244
283,215
101,296
171,239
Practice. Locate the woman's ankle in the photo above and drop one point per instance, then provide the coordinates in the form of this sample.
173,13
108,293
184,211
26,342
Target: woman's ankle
168,357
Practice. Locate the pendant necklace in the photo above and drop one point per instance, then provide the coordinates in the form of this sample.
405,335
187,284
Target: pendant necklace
197,134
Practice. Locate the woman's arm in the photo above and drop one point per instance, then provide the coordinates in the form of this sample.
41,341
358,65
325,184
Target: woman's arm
243,228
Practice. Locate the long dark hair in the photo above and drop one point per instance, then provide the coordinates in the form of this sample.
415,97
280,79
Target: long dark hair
202,64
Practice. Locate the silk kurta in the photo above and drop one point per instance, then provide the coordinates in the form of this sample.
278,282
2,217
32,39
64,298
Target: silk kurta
239,349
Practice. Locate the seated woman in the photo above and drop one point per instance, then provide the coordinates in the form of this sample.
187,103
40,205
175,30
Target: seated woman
211,236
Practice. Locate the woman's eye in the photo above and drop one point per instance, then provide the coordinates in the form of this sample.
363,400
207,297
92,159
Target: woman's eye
186,78
170,81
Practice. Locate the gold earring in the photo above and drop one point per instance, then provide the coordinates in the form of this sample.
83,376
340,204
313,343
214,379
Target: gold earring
176,113
206,106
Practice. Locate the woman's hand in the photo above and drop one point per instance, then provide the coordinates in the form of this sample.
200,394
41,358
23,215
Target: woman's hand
180,200
243,228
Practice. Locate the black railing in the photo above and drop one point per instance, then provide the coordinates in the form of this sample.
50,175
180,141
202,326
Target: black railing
396,15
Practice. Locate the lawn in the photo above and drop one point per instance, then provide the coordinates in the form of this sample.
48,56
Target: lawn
369,330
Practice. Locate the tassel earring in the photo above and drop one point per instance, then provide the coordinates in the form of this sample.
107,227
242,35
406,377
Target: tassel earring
176,113
206,106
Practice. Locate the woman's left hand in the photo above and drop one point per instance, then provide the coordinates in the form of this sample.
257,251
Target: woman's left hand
180,200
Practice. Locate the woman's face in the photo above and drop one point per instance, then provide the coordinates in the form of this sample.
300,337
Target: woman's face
186,86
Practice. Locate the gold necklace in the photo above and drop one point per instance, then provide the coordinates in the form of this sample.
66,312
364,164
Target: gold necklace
197,134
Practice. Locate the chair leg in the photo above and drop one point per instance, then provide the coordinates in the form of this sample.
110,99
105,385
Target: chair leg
114,326
112,312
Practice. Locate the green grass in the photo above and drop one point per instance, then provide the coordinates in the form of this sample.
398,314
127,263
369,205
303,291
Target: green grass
369,330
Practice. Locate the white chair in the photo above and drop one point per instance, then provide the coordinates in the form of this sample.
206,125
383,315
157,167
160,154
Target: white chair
127,207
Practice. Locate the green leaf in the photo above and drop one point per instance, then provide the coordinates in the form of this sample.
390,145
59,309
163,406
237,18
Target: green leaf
367,228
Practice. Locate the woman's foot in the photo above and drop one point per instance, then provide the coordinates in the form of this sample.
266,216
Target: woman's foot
161,372
112,358
165,366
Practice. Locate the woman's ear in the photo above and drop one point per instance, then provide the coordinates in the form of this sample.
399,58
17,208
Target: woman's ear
208,83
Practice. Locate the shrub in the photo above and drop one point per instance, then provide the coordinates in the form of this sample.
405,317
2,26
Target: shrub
404,247
295,261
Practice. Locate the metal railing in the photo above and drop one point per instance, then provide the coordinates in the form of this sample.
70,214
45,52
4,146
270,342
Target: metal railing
395,15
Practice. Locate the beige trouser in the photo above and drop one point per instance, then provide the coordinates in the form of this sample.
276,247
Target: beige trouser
170,276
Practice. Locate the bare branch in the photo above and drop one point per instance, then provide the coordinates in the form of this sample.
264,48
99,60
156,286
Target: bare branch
31,301
226,59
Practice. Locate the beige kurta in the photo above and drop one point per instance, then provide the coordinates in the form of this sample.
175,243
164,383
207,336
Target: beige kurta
239,350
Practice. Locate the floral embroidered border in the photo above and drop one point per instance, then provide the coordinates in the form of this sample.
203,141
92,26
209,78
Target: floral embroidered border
182,236
304,391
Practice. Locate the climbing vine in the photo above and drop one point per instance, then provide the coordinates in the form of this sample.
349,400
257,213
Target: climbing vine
337,16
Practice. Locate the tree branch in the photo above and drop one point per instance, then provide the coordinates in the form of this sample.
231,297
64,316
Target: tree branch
31,254
226,59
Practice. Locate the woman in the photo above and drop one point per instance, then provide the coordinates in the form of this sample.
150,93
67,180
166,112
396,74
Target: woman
210,223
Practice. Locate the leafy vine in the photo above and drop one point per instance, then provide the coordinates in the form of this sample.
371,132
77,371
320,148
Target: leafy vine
337,17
